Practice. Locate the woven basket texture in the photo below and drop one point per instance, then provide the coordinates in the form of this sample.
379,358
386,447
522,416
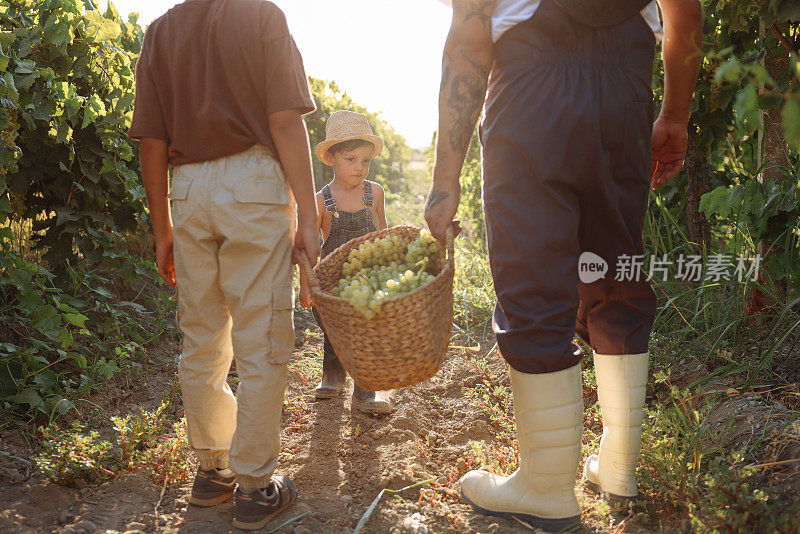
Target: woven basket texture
406,342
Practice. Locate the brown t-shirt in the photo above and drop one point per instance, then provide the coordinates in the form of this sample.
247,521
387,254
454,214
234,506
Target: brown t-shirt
211,72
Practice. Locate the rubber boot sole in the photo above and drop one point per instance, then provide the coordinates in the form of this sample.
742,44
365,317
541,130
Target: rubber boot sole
561,524
205,502
369,408
611,498
322,394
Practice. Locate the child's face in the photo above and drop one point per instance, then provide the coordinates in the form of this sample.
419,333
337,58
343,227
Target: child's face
352,166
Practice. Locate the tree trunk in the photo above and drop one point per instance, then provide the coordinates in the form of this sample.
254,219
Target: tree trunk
773,154
775,149
698,173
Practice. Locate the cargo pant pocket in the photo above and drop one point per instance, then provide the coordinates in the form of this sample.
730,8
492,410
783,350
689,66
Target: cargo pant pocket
179,195
281,325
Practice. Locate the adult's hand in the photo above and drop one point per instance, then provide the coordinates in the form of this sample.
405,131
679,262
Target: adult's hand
669,149
165,261
466,63
440,212
683,33
306,241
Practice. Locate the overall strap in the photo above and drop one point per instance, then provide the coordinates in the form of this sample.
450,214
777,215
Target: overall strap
328,201
369,200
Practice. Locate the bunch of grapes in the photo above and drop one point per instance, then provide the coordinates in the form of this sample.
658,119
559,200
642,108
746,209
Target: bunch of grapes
423,250
384,268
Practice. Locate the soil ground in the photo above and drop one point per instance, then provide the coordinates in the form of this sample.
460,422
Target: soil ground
339,458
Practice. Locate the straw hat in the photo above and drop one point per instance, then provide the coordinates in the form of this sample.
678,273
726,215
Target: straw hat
346,125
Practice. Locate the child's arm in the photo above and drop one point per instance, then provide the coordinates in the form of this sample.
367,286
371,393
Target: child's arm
305,289
291,141
380,205
154,159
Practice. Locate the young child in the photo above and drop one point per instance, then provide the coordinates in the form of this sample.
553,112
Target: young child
231,126
348,207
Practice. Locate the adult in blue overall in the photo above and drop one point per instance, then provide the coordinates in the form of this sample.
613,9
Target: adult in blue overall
569,150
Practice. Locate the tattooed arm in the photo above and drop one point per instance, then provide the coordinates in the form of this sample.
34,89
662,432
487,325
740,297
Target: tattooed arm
465,72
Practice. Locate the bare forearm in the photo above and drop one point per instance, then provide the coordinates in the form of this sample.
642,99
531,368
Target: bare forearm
291,141
154,159
465,71
683,34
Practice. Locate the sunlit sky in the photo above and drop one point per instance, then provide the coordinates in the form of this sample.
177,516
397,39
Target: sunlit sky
386,54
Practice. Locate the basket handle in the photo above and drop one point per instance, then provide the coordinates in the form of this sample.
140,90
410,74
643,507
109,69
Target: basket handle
449,237
305,264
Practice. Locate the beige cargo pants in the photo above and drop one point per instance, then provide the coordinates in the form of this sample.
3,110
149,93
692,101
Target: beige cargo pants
233,225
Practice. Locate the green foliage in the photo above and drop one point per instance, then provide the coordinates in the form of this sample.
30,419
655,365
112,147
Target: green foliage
757,90
734,87
687,467
63,340
753,203
68,455
67,98
732,501
733,79
388,169
763,210
470,209
473,289
59,343
144,441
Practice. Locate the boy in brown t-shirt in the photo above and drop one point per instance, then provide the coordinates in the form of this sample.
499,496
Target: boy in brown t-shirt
220,94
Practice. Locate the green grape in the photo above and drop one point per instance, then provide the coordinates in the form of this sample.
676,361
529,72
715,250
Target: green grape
386,268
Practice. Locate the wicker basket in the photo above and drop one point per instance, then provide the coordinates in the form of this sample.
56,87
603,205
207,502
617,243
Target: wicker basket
406,342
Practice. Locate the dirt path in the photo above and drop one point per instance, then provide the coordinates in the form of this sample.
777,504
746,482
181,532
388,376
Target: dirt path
339,459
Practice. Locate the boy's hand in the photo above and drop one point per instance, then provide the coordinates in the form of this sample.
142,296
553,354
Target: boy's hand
154,158
440,212
305,293
669,150
165,260
305,290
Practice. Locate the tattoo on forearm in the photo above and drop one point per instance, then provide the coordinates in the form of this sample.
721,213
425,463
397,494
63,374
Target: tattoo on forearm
463,88
434,198
466,97
480,9
481,70
448,59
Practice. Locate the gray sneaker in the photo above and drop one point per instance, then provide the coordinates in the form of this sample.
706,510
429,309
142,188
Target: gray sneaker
212,487
255,508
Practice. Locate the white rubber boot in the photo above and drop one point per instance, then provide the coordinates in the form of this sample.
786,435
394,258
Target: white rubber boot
621,381
548,409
